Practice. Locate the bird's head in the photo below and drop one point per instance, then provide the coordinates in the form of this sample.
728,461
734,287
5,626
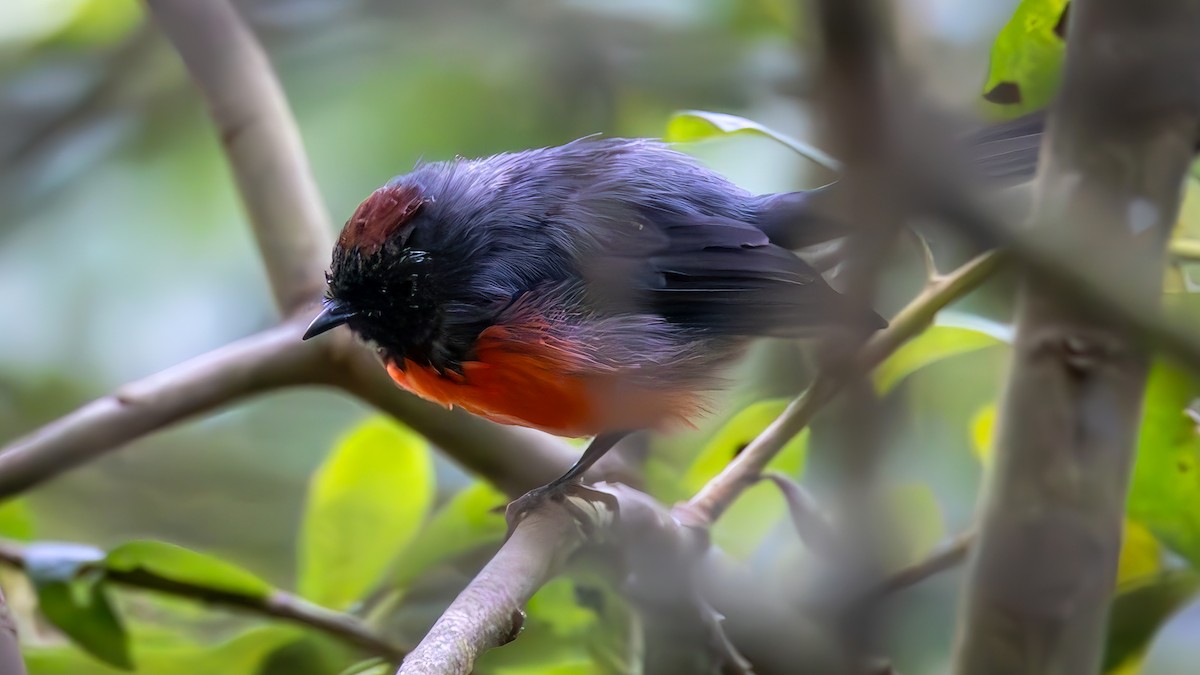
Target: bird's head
379,279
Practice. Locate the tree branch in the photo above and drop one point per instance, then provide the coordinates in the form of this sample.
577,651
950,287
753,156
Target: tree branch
489,611
261,141
1120,142
278,605
268,360
716,496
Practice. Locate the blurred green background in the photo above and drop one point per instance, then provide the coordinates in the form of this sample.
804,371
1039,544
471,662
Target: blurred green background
123,249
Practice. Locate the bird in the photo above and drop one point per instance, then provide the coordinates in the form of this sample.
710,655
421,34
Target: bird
592,289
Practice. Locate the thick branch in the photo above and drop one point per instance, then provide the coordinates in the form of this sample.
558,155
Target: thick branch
1120,142
278,605
489,612
716,496
261,142
261,362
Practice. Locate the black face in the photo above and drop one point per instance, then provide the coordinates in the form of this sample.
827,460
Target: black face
388,298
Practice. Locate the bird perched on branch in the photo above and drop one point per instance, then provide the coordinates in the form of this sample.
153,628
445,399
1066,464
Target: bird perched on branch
591,289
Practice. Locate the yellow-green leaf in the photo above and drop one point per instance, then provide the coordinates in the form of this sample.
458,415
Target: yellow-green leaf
1140,609
365,503
935,344
185,566
1026,61
691,126
982,427
467,521
1166,476
16,522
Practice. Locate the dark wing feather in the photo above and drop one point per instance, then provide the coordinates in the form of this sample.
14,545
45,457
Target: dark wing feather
724,276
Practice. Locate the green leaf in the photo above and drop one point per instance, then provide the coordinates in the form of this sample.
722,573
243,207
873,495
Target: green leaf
760,508
241,655
1166,476
365,503
16,522
690,126
1026,61
466,522
1140,609
184,566
73,598
935,344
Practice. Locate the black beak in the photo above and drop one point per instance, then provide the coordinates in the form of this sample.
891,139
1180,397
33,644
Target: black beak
333,315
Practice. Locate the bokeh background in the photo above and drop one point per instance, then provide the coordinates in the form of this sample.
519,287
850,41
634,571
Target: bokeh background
123,249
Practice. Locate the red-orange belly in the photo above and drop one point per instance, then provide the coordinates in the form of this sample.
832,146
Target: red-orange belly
536,387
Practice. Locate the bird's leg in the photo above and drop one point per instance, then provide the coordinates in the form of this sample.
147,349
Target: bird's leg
557,488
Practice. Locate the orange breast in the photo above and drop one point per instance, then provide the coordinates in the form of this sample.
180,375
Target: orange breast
544,384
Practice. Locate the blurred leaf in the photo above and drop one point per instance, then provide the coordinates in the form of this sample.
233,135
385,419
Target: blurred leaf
983,424
1166,476
1141,554
71,596
365,503
690,126
760,508
241,655
1026,60
185,566
934,344
464,523
555,605
100,22
1140,609
370,667
916,521
16,522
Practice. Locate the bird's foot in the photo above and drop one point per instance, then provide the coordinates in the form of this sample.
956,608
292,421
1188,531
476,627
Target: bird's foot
571,494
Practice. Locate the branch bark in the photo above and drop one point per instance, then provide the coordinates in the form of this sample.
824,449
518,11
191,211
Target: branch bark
489,612
268,360
715,497
261,140
1119,145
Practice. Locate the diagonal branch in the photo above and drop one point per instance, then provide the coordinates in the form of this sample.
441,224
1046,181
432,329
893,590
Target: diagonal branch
716,496
268,360
489,611
277,605
261,142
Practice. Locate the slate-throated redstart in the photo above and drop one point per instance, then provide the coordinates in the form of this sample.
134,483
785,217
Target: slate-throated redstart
591,289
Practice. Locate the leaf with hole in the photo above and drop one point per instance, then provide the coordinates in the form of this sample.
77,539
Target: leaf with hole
365,503
1026,60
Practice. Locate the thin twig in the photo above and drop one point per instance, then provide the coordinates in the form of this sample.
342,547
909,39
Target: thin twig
939,561
716,496
278,605
262,143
